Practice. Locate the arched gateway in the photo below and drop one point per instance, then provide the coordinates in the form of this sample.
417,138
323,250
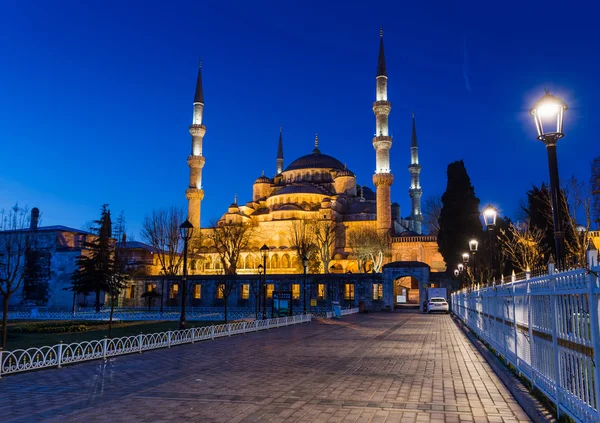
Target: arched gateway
407,282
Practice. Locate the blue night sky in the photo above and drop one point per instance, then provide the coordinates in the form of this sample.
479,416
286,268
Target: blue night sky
97,96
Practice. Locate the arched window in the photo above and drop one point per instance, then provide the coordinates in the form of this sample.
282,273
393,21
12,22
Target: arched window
275,261
295,263
285,261
249,263
208,262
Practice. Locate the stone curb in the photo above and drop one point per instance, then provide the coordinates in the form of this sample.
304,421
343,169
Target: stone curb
532,407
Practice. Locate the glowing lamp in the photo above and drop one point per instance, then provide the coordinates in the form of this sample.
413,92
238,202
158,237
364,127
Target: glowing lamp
187,229
548,114
489,216
465,258
473,244
456,272
461,267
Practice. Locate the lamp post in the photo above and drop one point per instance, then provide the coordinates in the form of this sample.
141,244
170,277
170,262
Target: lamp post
259,289
187,230
162,289
305,265
548,114
473,245
264,251
465,257
489,218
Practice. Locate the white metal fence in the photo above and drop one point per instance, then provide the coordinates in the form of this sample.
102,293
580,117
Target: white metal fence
58,355
548,329
344,312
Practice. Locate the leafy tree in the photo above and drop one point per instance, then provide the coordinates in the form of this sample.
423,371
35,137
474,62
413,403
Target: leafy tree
459,217
15,241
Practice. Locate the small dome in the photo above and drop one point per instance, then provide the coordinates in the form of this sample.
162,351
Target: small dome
408,233
262,180
344,172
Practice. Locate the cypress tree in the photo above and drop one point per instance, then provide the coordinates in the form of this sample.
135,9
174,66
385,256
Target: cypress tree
459,217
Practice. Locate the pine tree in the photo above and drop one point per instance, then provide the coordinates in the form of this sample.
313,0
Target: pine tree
459,217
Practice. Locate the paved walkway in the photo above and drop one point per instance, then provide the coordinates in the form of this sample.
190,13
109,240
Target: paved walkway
402,367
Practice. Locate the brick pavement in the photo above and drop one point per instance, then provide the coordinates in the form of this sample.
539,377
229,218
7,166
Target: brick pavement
402,367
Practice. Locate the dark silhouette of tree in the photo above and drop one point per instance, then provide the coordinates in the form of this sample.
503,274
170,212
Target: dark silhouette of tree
15,241
459,218
432,207
149,296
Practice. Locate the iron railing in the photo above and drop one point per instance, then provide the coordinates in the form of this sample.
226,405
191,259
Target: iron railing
61,354
547,327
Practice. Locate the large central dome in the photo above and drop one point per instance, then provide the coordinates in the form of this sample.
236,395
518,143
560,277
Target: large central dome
316,160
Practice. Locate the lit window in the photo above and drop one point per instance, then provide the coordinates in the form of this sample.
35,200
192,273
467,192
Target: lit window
220,291
377,291
270,289
349,291
174,290
296,291
150,287
245,291
197,291
130,292
321,291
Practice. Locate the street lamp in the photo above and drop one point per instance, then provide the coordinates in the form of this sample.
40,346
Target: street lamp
465,257
187,229
456,273
162,288
258,289
461,267
305,265
473,245
264,251
548,114
489,218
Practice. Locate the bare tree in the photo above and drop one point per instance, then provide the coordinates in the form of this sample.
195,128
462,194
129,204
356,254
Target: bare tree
161,231
522,245
432,208
230,239
325,235
15,241
578,196
370,246
301,238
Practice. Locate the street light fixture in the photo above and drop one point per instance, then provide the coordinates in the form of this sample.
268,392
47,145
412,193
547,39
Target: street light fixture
548,114
461,267
258,290
465,257
264,251
305,265
489,218
456,272
187,229
473,245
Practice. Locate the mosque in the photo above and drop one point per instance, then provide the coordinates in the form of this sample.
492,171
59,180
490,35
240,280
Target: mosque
318,186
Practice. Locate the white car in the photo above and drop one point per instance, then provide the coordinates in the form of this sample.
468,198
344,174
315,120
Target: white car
437,304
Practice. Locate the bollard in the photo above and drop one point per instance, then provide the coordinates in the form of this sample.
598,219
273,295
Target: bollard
60,347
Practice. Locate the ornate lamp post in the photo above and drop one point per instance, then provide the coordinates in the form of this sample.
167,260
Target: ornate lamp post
489,218
548,114
162,288
305,265
187,229
473,245
264,251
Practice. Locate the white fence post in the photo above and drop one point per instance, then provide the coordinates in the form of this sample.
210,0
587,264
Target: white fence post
140,341
193,333
229,329
60,351
531,339
516,331
212,332
1,362
593,299
553,312
169,339
104,342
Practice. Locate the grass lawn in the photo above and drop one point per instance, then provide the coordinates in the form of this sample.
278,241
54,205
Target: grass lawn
97,330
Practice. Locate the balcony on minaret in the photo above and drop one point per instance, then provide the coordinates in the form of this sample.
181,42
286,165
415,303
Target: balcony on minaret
197,130
196,161
194,194
382,107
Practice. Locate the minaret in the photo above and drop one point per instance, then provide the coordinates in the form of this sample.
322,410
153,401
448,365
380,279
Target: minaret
194,193
382,142
415,184
280,153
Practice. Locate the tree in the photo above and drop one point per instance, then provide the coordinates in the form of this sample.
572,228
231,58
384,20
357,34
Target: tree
325,235
15,241
150,296
229,239
370,246
302,239
432,208
459,216
522,245
161,231
578,196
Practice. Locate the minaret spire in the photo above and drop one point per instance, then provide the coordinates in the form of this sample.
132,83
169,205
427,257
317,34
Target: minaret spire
415,190
194,192
316,150
382,142
280,152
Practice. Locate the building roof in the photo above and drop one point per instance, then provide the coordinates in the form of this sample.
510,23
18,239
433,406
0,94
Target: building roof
316,160
136,245
302,189
403,264
56,228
